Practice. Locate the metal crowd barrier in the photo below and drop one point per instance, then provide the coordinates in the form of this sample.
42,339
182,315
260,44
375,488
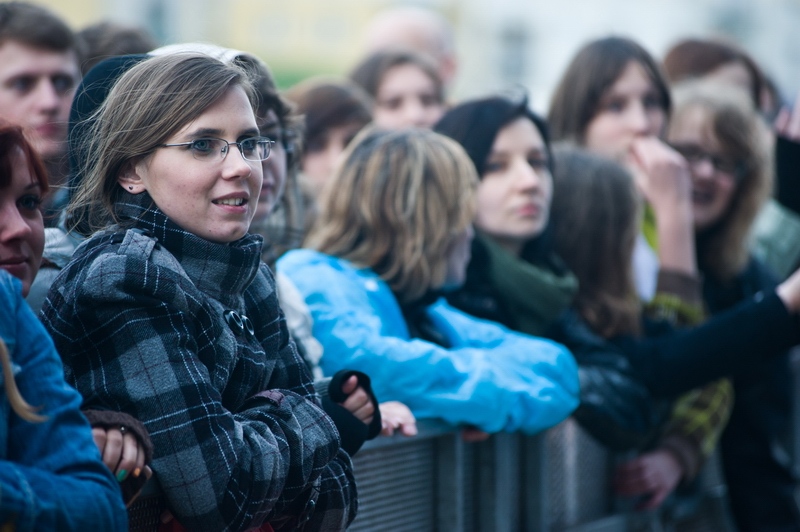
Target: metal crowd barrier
557,481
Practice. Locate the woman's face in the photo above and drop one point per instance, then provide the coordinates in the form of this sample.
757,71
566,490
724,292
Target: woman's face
629,109
407,97
713,171
21,225
516,187
214,199
274,168
322,155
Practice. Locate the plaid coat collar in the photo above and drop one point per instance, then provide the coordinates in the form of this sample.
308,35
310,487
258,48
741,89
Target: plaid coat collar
222,271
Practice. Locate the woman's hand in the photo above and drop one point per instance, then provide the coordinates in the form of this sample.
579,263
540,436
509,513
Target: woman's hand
395,416
662,176
656,474
121,451
357,402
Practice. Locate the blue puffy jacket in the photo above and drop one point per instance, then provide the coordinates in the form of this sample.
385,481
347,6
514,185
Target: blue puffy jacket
51,476
491,377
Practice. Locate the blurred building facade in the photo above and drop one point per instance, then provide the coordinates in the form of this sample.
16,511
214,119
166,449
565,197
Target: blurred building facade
501,44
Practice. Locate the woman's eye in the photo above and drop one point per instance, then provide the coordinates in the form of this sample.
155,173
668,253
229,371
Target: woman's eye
429,100
249,145
537,163
615,105
492,167
30,202
203,146
392,104
652,102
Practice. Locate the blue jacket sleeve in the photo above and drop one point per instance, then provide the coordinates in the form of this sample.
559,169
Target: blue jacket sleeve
491,378
51,475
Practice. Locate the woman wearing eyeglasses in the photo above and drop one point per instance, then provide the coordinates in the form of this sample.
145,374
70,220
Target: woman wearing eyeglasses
167,312
721,136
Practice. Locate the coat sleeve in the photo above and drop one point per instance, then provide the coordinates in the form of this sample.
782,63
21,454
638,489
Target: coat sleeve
491,378
51,477
132,336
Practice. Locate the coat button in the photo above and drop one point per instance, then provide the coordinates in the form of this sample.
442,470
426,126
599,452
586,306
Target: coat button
234,321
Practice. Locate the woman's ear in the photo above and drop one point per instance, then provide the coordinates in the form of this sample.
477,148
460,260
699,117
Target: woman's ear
130,180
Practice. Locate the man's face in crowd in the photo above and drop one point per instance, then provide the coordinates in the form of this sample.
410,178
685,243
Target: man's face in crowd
36,90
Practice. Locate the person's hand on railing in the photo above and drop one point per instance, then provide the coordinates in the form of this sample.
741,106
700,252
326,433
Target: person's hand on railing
358,402
395,416
653,476
473,435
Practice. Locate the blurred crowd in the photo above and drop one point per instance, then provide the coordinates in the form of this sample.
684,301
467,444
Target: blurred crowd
229,288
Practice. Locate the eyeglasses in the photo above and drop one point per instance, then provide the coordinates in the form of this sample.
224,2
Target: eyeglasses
210,148
694,155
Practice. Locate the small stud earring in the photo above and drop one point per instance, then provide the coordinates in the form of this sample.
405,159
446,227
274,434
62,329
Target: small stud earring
130,188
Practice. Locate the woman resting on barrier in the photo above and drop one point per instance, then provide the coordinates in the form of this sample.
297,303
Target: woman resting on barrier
185,329
393,233
51,475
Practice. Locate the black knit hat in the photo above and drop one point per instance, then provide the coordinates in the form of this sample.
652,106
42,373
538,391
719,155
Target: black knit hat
91,94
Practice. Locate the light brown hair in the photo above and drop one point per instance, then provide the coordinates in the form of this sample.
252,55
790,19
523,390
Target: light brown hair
595,218
694,58
396,205
149,103
15,399
722,250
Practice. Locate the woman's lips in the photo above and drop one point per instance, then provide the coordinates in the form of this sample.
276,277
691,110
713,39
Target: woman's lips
50,130
531,210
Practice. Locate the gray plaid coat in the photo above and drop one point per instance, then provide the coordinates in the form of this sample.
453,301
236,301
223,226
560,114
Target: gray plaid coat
142,319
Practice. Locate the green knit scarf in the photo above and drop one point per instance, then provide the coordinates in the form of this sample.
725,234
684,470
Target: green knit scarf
533,296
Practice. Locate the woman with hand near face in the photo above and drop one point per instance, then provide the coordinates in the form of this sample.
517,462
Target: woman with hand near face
183,320
51,476
613,101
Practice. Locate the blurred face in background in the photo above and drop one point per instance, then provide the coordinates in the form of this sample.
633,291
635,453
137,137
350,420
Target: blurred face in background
274,167
516,186
323,154
714,171
628,110
407,97
36,90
